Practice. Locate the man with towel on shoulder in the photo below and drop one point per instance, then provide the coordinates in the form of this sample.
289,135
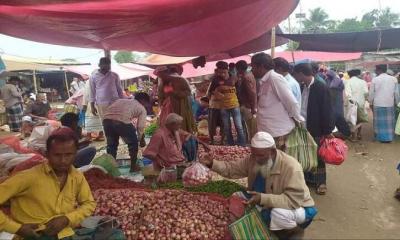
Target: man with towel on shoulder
276,185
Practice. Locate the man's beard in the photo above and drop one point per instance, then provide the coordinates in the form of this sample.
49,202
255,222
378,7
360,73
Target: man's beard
264,169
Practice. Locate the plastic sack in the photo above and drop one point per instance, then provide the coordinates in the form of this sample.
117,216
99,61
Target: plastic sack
168,175
195,175
27,164
108,163
351,113
202,128
301,145
15,143
90,166
333,150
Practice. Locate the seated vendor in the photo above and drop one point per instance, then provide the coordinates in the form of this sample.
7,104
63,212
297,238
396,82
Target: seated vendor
38,109
85,153
276,185
49,199
171,146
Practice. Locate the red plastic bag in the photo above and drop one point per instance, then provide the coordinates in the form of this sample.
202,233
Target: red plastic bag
333,150
195,175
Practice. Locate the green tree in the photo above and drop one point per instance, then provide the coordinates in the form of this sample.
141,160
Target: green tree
69,60
387,19
350,25
292,46
317,22
123,57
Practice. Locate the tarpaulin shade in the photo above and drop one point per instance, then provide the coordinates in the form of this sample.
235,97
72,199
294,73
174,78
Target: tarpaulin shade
189,71
318,56
125,71
368,41
15,63
170,27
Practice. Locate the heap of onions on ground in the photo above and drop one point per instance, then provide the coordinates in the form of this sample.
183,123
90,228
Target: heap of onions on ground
164,214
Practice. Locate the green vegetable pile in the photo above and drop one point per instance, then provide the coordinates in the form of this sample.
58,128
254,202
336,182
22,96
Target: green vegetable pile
222,187
151,129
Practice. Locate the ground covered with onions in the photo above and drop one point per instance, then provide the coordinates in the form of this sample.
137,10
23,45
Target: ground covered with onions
165,214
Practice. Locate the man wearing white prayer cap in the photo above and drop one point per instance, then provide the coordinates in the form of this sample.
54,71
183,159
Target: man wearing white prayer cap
276,185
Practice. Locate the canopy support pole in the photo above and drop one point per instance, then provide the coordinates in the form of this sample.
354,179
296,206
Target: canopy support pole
273,36
107,53
290,41
66,83
34,81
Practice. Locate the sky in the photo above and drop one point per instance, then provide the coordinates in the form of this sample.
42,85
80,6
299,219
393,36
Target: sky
337,10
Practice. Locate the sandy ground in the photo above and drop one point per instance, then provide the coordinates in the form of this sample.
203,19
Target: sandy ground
359,203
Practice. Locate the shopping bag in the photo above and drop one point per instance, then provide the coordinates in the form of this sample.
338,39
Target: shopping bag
333,150
362,116
195,175
301,146
251,226
397,129
351,113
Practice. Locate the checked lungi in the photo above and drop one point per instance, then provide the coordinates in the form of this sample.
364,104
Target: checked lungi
384,123
14,115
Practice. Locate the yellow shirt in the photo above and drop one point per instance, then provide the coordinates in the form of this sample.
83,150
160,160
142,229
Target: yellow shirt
35,197
228,99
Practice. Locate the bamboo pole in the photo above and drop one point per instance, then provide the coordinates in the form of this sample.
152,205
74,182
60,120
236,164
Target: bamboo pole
34,81
273,42
66,83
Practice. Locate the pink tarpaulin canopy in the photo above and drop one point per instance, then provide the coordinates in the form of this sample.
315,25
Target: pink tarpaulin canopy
318,56
125,70
189,71
171,27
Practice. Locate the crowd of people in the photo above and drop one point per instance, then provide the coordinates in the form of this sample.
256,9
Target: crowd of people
264,100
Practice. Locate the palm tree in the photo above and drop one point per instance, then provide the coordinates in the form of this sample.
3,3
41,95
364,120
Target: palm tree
317,22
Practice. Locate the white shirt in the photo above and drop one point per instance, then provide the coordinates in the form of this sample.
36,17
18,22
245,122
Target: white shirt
304,99
357,90
124,110
383,91
276,106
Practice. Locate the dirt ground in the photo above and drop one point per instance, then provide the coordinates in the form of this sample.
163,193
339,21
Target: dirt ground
359,203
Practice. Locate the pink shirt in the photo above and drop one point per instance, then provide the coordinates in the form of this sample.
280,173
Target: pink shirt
164,147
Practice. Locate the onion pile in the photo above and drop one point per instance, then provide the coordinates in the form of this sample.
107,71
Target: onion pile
98,179
195,175
164,214
226,153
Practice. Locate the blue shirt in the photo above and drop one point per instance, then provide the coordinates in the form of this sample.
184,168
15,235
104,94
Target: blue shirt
295,87
201,111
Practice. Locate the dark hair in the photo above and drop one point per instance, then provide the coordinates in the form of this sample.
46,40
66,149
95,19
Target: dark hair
354,72
231,65
304,68
14,78
381,67
241,65
142,96
105,60
222,65
204,99
315,67
63,134
68,119
264,60
341,75
282,64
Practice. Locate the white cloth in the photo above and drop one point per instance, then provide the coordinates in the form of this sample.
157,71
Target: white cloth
286,219
125,110
304,99
262,140
92,123
384,91
357,90
76,86
276,106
